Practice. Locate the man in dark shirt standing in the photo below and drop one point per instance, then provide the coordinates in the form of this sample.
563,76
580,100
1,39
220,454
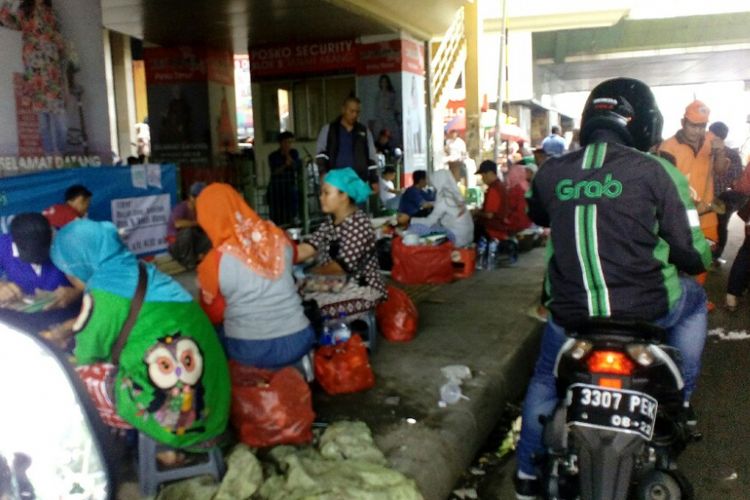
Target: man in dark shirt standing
347,143
283,189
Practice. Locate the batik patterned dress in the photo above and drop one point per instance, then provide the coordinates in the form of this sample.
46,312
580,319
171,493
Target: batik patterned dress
352,245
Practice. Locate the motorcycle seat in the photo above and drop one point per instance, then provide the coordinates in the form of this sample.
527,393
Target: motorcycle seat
630,329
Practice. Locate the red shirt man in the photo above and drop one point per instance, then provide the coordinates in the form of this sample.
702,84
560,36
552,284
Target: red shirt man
77,201
491,218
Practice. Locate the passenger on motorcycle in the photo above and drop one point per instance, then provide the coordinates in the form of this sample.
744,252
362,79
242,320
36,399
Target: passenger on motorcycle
623,227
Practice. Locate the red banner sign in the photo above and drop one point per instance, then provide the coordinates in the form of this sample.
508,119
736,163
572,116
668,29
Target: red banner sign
303,58
390,56
412,54
378,58
175,65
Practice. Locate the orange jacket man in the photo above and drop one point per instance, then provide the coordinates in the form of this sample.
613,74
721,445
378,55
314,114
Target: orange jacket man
698,155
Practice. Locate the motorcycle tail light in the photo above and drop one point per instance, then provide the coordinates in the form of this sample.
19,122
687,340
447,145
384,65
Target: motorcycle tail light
610,362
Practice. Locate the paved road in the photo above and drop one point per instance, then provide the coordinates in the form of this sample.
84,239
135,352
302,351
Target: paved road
718,466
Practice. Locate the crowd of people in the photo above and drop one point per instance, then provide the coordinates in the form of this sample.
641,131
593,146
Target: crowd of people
134,332
170,377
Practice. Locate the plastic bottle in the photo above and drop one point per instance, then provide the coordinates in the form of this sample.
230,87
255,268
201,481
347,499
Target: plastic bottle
326,338
340,330
450,392
491,254
481,251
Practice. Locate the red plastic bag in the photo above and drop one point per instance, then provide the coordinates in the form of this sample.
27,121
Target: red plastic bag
398,316
344,368
270,408
422,264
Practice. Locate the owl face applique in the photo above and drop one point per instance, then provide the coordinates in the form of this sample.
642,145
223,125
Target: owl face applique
175,367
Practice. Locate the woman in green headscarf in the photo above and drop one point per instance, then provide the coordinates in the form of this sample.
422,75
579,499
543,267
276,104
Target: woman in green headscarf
345,242
172,381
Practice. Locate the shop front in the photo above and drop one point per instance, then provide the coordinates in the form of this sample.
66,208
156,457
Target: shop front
301,87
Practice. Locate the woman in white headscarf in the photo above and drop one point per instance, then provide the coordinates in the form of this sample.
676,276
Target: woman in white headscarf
449,213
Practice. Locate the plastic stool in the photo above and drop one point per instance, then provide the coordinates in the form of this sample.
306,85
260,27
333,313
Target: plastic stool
370,336
150,477
305,367
464,262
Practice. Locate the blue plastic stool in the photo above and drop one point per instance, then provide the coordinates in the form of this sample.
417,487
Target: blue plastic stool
370,337
150,477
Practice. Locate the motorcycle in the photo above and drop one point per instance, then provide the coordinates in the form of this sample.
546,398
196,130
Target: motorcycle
52,441
621,422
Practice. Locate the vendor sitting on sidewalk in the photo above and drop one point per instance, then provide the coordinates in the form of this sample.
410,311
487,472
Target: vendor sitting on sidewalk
246,283
345,244
490,221
77,201
188,243
389,195
416,200
450,214
28,274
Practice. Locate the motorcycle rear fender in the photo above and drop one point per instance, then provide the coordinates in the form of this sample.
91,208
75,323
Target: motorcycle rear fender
606,461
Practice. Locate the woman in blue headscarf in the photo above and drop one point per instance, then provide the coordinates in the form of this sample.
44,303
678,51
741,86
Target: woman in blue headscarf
345,243
172,380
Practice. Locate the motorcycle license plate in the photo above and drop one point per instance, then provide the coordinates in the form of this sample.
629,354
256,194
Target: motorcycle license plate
618,410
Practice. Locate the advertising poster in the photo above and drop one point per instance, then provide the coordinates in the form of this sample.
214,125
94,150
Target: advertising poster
391,84
137,200
52,86
243,97
222,107
177,80
415,111
379,86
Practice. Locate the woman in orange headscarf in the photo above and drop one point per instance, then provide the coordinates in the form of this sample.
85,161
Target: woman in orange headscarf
246,283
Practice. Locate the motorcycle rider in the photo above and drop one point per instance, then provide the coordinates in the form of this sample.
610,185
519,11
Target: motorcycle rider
622,226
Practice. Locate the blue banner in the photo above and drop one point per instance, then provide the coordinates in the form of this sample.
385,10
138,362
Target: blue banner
137,199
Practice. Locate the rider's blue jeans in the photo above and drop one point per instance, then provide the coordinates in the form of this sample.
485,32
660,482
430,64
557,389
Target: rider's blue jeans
686,326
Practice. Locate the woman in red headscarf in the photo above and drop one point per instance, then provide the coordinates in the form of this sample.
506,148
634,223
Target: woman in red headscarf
246,283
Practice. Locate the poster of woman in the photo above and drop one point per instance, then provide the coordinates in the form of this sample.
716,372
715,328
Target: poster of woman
50,112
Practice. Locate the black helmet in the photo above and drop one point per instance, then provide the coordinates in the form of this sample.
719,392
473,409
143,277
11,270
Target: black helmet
625,106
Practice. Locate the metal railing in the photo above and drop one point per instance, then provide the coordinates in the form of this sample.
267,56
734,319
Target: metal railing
447,55
294,200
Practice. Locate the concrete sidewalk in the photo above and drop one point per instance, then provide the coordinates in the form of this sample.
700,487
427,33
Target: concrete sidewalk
480,322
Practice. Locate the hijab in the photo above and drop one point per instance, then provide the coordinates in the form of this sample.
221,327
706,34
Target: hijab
347,181
234,228
446,188
94,253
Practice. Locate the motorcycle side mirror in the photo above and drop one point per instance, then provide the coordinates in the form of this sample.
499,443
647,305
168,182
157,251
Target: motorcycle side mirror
52,442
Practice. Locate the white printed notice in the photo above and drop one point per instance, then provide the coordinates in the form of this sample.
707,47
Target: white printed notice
142,221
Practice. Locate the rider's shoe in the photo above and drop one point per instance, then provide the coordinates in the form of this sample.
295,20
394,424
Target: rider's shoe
527,489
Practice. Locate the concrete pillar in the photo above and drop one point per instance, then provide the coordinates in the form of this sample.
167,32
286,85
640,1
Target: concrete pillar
122,77
472,33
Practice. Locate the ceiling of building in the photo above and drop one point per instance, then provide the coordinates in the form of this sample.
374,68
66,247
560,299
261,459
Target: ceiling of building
689,68
236,23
